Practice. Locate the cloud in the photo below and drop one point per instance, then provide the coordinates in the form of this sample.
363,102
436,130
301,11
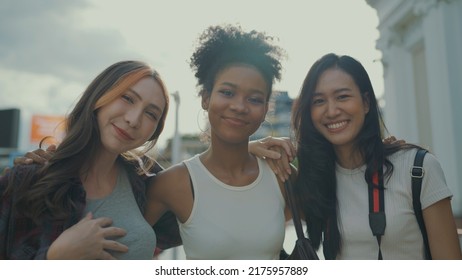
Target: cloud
48,37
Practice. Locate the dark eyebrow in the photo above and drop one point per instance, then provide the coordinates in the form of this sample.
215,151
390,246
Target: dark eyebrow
337,91
235,86
342,90
228,84
154,106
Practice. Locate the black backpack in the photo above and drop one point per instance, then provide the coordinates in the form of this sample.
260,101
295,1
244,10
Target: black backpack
377,220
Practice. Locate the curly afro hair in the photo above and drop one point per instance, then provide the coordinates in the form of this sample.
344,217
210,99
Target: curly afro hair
220,46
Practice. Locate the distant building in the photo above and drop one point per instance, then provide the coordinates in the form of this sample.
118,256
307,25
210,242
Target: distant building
190,146
421,43
277,121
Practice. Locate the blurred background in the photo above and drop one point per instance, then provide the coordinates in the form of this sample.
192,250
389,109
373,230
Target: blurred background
50,50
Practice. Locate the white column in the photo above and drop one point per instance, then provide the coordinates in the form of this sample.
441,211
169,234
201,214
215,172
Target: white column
444,87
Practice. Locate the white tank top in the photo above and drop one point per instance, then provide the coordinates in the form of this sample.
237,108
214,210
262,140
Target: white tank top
229,222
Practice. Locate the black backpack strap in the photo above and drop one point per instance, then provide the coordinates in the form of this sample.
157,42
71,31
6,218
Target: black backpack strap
417,173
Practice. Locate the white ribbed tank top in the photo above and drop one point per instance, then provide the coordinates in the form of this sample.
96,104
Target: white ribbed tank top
228,222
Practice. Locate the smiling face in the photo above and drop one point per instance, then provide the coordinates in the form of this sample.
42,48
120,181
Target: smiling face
337,109
237,104
130,120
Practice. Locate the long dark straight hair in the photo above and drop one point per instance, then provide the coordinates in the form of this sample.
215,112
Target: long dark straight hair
316,182
49,191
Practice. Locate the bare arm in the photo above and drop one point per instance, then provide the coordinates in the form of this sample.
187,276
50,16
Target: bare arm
442,231
170,190
155,206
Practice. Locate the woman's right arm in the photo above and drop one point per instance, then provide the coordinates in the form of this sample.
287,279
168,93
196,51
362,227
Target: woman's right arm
442,231
438,216
89,239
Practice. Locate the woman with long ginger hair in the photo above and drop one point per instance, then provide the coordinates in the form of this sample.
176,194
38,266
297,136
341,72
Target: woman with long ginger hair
59,210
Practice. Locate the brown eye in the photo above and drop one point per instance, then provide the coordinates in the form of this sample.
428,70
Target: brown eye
128,98
152,115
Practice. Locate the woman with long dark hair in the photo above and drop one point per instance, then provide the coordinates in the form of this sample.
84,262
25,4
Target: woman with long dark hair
339,131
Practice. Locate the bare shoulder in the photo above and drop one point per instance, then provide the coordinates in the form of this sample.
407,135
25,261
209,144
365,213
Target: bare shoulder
172,177
172,188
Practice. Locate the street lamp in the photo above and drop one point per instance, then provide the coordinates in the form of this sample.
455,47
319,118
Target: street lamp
176,148
176,144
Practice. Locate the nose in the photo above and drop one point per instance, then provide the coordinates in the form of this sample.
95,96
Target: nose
133,117
332,109
238,105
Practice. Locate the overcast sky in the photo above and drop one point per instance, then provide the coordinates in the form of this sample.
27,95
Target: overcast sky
51,49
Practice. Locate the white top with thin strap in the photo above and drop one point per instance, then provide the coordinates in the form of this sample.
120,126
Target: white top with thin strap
228,222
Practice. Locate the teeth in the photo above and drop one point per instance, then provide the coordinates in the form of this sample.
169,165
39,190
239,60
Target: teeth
336,125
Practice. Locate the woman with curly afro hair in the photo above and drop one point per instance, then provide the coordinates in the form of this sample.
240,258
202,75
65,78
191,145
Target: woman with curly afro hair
228,202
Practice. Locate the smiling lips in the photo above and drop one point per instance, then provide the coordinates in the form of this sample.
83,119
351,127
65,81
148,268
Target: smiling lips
336,126
235,121
122,133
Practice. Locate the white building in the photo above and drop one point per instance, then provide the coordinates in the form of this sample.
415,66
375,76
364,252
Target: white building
421,43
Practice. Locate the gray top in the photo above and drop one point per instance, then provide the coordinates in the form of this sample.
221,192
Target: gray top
122,208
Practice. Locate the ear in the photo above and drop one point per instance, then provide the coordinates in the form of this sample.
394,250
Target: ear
367,102
205,101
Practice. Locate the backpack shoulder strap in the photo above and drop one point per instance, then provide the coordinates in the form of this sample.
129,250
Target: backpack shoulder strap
417,173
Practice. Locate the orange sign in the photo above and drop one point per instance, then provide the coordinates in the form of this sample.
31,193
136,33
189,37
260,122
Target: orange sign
46,125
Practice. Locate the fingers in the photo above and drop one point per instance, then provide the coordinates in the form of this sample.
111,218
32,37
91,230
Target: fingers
22,160
103,221
5,171
113,232
38,156
285,165
87,217
114,246
43,154
106,256
282,142
289,148
278,169
51,148
387,140
392,140
273,165
271,154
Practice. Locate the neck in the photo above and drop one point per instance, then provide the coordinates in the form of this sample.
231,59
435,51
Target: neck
100,175
349,157
232,164
229,157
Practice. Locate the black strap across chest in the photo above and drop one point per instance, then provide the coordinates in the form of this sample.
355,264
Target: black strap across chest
417,174
377,220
